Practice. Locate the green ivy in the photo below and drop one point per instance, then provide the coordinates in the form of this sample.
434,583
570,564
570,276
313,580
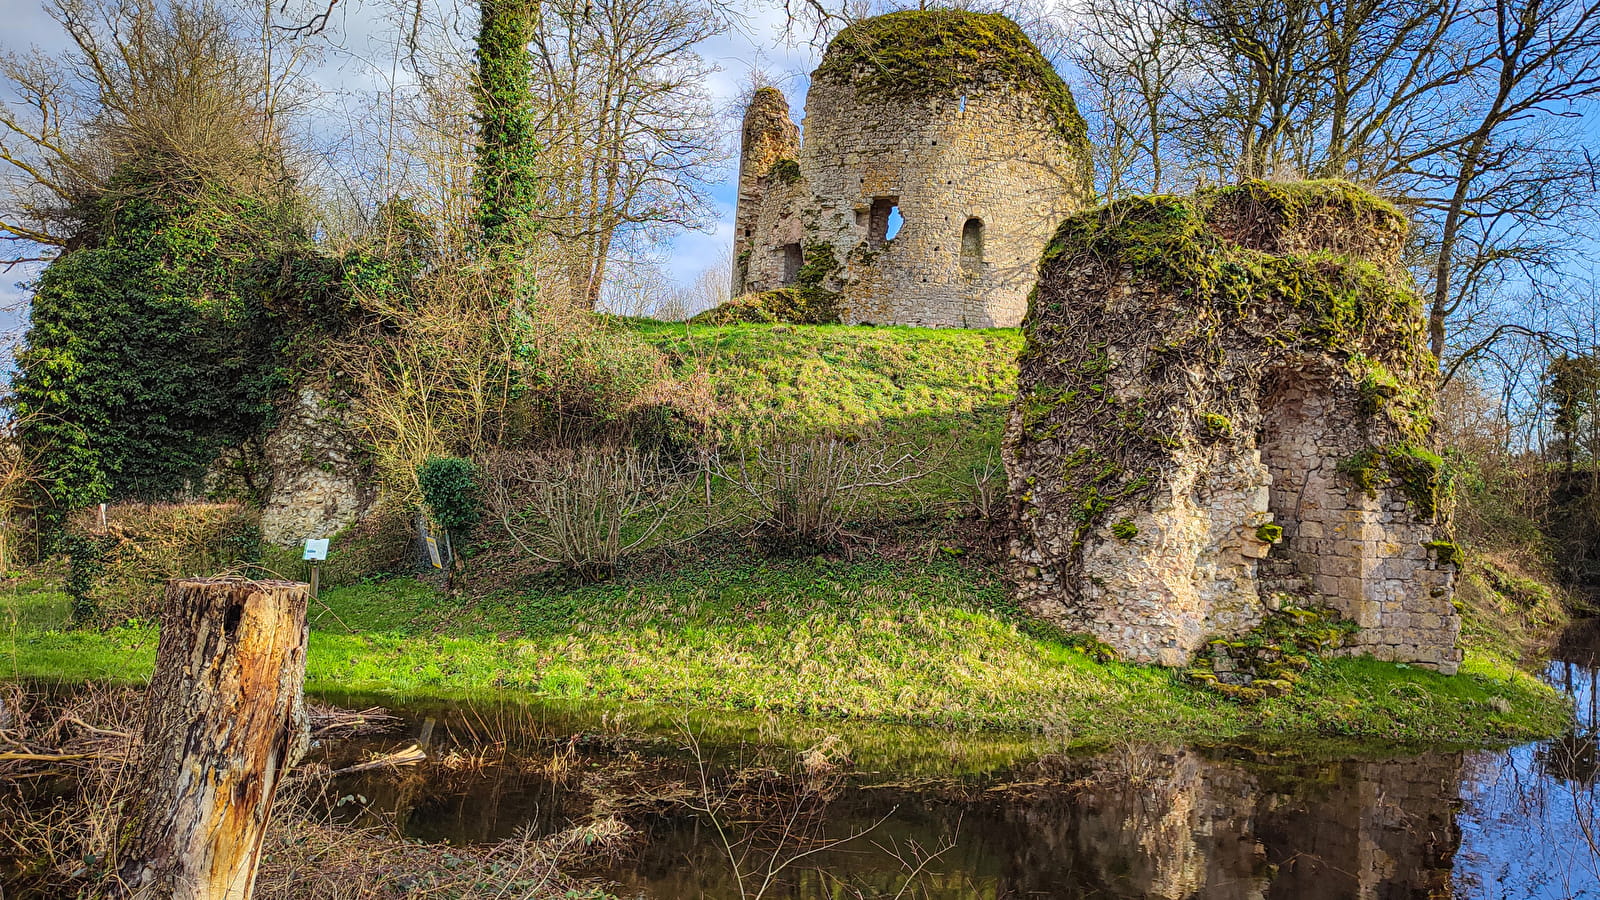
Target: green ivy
155,344
505,181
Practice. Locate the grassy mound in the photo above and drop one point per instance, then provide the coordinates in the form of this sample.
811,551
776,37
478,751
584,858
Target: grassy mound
790,306
922,642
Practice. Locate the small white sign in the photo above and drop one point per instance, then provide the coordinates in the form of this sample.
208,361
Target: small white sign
433,553
316,549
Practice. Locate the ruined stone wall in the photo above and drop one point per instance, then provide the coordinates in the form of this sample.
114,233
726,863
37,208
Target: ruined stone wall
317,483
980,159
1201,373
767,135
1176,825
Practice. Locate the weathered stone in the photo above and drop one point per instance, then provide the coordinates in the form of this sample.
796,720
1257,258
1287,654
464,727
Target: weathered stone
949,118
317,481
1184,373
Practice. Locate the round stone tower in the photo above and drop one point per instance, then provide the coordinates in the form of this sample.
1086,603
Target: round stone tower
940,151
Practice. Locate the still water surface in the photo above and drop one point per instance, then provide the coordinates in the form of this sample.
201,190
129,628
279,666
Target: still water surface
952,817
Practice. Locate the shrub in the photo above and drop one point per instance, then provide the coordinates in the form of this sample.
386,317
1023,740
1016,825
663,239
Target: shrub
118,572
582,509
452,491
803,491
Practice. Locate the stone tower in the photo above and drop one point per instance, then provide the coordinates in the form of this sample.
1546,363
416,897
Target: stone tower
768,135
1223,407
940,150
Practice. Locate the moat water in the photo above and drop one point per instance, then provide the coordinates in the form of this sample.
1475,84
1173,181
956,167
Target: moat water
731,808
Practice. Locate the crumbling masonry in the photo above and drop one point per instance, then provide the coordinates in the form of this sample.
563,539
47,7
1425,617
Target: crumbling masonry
1223,410
944,124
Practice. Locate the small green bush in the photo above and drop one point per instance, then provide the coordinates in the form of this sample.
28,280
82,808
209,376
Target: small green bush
453,492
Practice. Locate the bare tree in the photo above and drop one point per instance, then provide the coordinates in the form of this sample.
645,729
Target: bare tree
630,139
184,93
1132,57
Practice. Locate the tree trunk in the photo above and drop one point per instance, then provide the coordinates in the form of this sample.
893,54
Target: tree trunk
225,719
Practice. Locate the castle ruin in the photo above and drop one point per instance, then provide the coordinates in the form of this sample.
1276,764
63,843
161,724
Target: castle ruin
940,150
1223,410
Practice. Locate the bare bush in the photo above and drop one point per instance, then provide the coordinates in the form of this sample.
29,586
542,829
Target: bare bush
582,509
119,566
804,491
985,485
187,94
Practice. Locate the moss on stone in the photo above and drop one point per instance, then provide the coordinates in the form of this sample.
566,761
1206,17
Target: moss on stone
820,262
1269,533
1125,529
1420,474
785,170
1346,308
1447,551
921,54
792,306
1268,660
1281,217
807,302
1217,426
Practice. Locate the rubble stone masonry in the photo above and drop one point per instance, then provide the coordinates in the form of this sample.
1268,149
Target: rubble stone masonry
1221,388
945,124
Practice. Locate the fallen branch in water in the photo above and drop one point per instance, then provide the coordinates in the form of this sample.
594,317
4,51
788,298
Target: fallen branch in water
327,721
407,757
45,757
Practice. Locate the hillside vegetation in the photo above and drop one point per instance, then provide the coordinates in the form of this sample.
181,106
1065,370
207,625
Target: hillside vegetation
907,620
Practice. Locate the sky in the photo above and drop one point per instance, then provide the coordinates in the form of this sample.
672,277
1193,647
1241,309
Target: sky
354,40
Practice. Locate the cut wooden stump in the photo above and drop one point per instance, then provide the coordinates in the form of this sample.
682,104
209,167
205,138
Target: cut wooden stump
225,719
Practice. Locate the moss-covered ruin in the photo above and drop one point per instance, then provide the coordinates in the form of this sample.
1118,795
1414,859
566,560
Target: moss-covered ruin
940,150
1241,379
916,55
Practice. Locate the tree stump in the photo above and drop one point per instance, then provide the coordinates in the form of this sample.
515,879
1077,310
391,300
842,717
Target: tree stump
225,719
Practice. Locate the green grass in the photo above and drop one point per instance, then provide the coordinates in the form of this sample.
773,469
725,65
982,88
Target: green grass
920,638
840,378
939,393
927,643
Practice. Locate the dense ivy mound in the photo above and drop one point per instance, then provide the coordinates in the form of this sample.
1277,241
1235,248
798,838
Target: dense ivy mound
919,54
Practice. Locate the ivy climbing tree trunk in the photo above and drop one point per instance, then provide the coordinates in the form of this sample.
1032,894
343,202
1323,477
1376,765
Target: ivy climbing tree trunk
224,720
506,177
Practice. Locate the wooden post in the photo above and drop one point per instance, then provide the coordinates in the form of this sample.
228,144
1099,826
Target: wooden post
225,719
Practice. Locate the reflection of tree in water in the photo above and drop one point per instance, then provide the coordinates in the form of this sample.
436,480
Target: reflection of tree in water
1530,820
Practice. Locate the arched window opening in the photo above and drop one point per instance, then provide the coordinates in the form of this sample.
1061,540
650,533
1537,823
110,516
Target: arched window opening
972,245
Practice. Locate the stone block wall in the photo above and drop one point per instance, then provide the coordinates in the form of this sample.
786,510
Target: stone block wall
1188,387
317,481
978,160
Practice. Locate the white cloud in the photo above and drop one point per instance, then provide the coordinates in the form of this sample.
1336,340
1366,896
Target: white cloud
355,62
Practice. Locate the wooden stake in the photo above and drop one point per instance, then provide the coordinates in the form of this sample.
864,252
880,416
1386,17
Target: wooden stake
225,719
